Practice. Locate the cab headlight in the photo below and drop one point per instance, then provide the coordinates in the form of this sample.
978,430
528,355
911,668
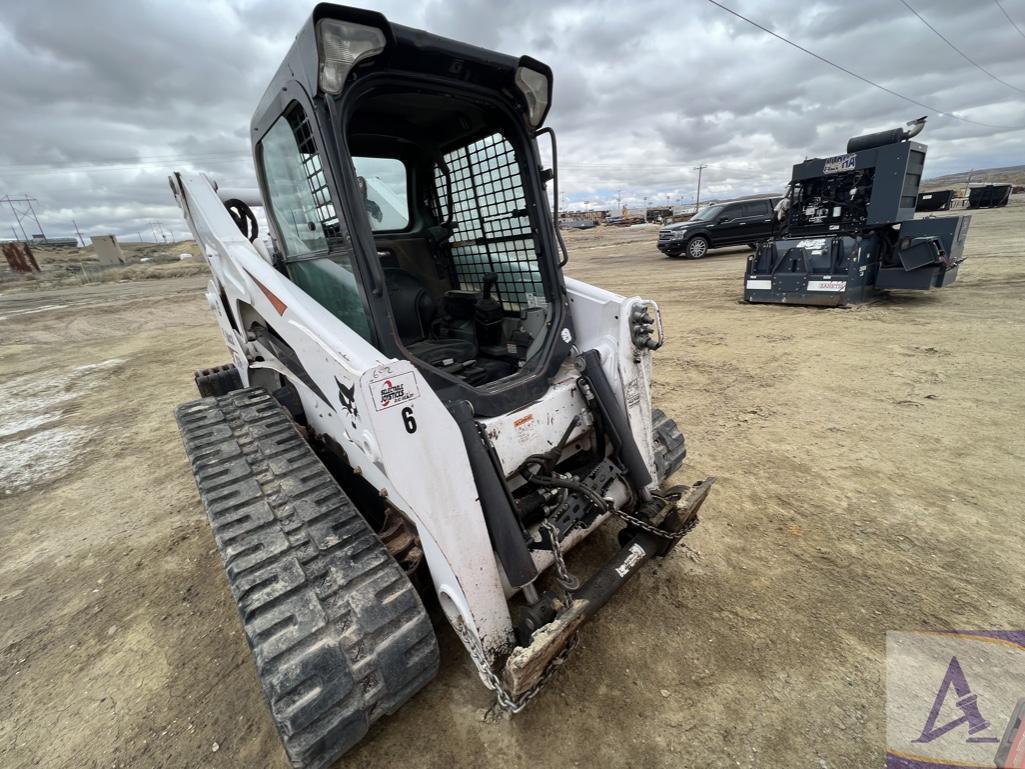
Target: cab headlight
537,90
340,46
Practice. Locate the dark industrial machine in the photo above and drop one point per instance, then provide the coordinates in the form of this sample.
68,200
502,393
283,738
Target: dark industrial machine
846,228
938,200
989,196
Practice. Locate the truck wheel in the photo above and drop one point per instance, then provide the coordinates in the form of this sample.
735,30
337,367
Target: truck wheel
670,445
337,631
697,247
217,381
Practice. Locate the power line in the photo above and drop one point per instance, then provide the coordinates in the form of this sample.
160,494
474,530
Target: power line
21,215
862,78
104,169
134,161
1009,18
964,55
668,165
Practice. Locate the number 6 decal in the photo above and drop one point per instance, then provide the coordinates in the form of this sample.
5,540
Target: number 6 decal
408,420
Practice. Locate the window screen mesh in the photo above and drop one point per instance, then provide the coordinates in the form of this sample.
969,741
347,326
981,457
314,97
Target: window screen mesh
325,209
493,232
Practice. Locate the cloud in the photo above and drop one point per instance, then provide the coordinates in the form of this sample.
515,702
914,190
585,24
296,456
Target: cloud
102,99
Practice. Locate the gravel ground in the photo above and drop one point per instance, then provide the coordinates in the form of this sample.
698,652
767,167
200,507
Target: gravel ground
870,464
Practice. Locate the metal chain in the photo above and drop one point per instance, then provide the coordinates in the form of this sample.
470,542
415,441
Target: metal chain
563,574
634,521
504,699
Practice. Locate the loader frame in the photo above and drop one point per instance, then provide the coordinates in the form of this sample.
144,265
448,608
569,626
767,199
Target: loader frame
495,481
342,379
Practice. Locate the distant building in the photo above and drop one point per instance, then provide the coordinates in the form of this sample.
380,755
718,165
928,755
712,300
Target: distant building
587,216
39,240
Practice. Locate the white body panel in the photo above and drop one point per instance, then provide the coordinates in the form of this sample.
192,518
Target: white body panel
405,466
424,472
602,320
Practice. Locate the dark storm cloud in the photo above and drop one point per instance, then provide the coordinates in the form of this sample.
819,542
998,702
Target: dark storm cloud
101,99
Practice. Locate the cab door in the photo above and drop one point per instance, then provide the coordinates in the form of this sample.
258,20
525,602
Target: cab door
729,226
759,221
753,222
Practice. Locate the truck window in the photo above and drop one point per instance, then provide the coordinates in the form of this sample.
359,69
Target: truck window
385,189
311,236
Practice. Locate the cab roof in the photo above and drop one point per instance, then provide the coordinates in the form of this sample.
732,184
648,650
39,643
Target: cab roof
406,48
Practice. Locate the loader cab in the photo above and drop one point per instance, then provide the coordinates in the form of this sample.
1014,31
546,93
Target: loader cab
406,194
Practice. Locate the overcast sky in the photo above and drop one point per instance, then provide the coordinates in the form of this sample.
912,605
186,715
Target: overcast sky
101,99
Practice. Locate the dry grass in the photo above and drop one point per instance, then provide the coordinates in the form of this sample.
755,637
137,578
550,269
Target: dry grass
84,273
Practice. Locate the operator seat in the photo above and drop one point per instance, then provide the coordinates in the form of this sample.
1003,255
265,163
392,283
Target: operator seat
416,319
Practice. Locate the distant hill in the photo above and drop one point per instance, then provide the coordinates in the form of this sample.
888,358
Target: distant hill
1007,175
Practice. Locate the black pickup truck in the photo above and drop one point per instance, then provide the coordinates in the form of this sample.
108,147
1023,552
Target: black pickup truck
744,222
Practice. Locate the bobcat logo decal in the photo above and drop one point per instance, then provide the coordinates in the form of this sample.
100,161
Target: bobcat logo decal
347,398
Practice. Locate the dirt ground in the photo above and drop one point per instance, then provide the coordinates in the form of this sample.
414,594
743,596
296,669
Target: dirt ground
870,467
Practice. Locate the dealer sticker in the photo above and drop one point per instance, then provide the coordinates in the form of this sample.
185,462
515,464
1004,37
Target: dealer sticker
635,554
395,390
839,163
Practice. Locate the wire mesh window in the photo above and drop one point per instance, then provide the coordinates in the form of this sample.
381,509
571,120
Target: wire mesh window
325,209
302,205
493,232
307,225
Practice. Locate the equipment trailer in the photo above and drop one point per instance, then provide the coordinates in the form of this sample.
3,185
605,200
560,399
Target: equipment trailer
847,228
419,400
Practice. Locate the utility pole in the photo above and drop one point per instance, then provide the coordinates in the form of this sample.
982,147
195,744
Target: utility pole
32,211
78,232
17,216
697,201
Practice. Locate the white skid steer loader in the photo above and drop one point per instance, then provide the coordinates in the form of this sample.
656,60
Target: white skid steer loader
419,402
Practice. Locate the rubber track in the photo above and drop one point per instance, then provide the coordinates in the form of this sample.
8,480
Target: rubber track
337,631
670,445
217,380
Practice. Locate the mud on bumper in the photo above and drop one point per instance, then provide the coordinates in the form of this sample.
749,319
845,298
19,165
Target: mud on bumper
527,664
